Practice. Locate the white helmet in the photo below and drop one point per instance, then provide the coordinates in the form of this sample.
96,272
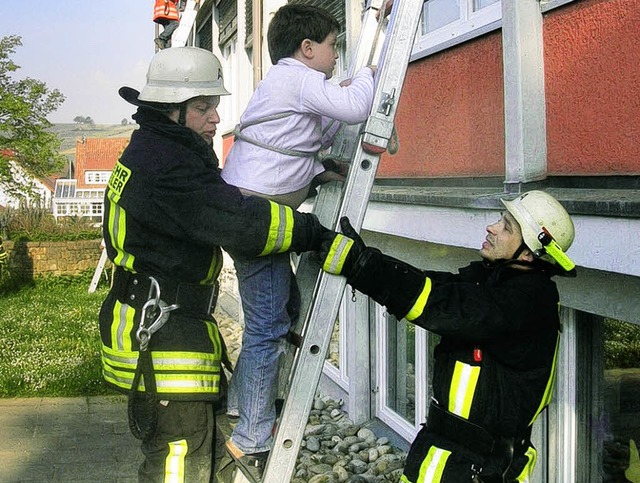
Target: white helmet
181,73
546,227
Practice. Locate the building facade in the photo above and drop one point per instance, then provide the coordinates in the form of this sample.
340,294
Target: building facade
500,97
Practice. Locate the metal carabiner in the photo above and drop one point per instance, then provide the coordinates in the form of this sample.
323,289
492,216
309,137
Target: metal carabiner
159,315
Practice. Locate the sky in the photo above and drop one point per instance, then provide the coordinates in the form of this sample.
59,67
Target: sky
87,49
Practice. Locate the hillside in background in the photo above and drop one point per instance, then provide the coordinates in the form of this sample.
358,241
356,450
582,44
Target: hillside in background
70,133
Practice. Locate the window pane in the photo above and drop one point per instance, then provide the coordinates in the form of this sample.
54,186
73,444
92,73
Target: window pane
401,358
334,345
478,4
619,423
438,13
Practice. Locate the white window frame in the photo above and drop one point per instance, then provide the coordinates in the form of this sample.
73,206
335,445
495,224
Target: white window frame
229,104
340,375
470,24
97,177
391,418
66,186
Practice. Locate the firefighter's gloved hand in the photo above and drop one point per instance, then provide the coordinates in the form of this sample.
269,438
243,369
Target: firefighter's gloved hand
340,251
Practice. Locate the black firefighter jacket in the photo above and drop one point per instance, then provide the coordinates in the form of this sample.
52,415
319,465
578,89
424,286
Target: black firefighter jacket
494,365
167,214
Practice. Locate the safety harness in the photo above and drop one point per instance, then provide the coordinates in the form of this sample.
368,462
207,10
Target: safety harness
162,299
237,132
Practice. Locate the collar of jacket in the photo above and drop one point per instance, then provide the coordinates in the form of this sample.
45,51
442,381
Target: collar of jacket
499,271
156,121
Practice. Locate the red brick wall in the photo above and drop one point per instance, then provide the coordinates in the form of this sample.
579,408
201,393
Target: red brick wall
53,258
450,116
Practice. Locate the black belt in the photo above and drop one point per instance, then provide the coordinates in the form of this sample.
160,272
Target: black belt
193,299
459,430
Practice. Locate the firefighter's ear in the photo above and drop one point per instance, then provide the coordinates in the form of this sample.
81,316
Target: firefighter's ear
527,255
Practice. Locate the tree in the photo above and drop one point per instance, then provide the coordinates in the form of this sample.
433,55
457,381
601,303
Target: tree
79,119
24,139
124,122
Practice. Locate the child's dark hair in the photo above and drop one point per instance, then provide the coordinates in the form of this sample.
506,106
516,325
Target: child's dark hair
293,23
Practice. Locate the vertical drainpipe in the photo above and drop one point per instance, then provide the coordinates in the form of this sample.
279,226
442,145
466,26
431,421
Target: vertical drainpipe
257,41
524,96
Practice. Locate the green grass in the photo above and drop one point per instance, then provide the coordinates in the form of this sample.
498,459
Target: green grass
49,338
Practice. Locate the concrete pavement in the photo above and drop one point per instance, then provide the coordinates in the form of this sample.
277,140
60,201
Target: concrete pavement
67,440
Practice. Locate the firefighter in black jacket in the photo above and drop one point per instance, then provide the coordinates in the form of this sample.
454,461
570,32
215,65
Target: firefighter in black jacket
499,326
167,213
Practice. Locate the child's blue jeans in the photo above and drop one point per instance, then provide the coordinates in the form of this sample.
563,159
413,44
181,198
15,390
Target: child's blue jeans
271,304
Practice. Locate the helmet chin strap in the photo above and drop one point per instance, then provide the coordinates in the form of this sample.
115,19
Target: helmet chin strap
508,261
519,251
182,119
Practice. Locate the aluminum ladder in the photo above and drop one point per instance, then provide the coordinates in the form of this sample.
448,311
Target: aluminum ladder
321,293
187,19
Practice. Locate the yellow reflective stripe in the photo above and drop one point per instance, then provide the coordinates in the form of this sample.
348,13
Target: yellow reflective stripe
280,230
185,361
404,479
337,254
527,471
418,307
181,383
121,359
118,232
121,326
121,379
214,336
463,387
166,383
548,392
165,360
174,464
214,268
120,175
433,465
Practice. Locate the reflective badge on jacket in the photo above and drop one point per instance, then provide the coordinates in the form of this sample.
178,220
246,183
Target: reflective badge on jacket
119,177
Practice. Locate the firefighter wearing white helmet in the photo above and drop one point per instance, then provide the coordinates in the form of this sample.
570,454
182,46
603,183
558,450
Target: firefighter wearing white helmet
499,331
547,229
167,215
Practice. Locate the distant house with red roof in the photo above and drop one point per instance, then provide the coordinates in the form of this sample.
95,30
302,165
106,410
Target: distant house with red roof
83,194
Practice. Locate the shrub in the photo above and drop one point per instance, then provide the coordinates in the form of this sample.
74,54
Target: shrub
621,344
39,224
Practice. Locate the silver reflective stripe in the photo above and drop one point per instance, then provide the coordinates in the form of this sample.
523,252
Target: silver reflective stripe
174,463
340,254
122,325
282,228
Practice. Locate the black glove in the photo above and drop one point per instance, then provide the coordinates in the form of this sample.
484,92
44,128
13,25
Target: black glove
340,251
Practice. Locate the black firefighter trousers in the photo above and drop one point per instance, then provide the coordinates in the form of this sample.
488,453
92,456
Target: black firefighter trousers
182,448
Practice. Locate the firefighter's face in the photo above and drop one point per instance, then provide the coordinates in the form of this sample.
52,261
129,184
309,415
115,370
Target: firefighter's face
202,116
503,239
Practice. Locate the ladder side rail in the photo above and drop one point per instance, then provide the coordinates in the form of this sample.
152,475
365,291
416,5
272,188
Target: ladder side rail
309,360
308,364
326,208
370,43
330,196
405,17
329,199
187,19
98,271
